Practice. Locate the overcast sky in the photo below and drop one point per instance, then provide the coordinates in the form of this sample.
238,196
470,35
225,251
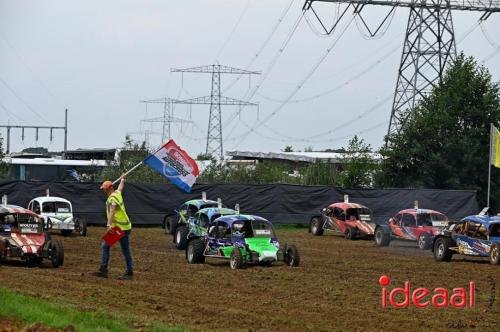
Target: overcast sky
100,58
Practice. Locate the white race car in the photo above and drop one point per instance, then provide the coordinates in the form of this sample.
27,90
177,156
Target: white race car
58,213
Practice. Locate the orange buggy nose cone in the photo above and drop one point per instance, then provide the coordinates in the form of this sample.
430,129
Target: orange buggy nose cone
106,185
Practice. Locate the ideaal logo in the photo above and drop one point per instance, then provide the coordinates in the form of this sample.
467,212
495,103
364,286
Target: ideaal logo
422,297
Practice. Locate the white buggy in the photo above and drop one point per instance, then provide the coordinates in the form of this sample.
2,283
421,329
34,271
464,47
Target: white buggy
58,213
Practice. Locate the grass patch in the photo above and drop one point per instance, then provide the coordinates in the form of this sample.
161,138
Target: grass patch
31,310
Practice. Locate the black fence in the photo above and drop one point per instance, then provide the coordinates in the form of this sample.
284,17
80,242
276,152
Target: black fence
147,204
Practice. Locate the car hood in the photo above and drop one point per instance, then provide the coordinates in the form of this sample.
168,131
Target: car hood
261,245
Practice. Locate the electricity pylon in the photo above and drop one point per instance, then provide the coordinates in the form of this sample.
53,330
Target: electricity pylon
215,100
167,119
428,47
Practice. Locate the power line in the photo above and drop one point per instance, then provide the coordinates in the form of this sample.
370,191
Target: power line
368,68
228,39
28,67
23,102
303,81
264,44
268,69
13,114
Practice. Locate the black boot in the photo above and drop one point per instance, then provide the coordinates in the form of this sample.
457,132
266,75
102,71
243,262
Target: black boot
127,276
101,273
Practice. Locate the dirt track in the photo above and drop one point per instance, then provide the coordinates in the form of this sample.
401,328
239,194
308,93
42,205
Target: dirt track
336,287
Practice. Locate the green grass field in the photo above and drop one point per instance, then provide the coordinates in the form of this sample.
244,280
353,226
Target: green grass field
30,310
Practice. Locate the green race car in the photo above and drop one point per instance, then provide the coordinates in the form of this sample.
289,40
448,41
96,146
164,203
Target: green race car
241,239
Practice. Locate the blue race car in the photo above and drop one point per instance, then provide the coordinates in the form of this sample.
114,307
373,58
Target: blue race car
181,215
477,235
241,239
198,224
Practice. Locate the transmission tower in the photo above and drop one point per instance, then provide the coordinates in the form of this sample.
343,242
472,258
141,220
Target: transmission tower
428,47
215,100
168,116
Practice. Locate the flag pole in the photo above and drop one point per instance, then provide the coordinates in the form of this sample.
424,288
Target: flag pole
128,172
489,167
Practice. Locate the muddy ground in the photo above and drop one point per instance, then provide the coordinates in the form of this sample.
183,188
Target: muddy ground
335,288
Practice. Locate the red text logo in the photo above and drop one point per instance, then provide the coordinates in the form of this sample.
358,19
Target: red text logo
403,297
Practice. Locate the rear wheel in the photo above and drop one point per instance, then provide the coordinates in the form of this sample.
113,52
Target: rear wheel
442,252
56,253
236,260
382,239
495,254
316,226
195,250
181,237
292,257
169,224
350,234
81,227
424,241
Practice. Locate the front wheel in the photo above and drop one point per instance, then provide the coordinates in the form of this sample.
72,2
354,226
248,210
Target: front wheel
442,252
316,226
424,241
350,234
495,254
81,227
236,260
169,224
382,239
195,250
292,257
56,253
181,237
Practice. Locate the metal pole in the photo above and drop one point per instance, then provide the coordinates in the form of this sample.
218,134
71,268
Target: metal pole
489,166
8,139
128,172
66,130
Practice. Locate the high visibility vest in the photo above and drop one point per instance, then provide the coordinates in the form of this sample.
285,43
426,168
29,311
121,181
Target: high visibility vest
121,218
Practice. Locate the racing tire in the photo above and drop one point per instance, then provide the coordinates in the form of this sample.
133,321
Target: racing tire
316,226
180,237
382,239
292,257
495,254
424,241
195,250
169,224
350,234
236,260
442,252
56,253
82,227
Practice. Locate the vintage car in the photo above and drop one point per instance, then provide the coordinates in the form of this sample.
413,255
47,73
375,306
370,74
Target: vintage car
419,225
241,239
58,212
477,235
349,219
198,225
181,215
23,235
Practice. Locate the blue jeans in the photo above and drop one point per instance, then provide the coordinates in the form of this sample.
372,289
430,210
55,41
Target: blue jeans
125,245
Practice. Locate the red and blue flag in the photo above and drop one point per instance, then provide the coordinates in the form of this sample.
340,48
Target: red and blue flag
174,164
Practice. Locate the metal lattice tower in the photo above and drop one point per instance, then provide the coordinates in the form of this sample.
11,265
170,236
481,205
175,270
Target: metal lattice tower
168,116
215,100
429,45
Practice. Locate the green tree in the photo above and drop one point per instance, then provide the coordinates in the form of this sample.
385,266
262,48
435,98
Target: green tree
131,154
288,148
4,168
358,165
445,141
